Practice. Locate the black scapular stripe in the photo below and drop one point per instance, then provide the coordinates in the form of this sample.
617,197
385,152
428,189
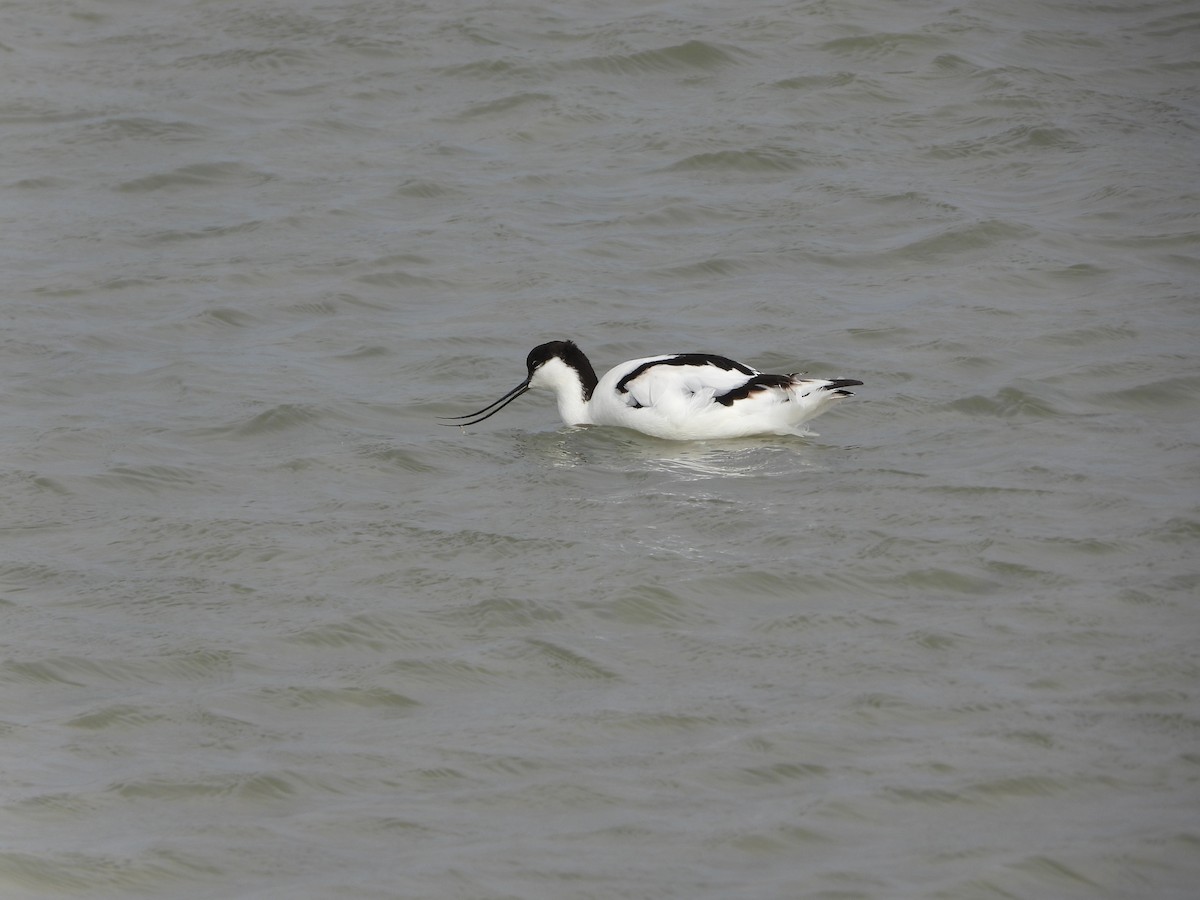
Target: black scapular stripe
687,359
757,383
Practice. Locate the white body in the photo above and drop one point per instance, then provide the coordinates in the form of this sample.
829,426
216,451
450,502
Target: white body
678,402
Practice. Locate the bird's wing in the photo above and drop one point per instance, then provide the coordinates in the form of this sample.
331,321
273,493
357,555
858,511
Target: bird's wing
682,378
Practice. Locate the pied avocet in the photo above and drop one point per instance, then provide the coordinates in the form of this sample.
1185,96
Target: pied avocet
681,396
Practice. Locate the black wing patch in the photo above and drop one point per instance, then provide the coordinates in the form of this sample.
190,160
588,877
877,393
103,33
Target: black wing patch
757,383
688,359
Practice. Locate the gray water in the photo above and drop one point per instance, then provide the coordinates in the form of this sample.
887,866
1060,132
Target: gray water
271,632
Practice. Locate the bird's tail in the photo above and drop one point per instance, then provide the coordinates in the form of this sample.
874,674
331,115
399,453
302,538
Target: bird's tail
839,385
812,396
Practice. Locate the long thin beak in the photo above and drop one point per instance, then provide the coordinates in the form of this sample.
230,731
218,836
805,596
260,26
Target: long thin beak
498,404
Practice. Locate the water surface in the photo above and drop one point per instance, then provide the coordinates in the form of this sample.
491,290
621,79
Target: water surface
269,631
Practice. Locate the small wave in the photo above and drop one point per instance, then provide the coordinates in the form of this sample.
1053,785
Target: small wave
1019,139
646,605
781,773
313,698
118,716
254,786
425,190
816,81
499,70
362,632
151,478
268,59
41,183
228,316
441,672
708,268
1177,394
279,418
690,55
501,612
122,128
212,231
158,873
780,840
1086,337
564,661
768,159
401,458
881,46
1052,876
944,581
502,105
398,278
1008,402
20,112
78,671
274,419
199,175
959,239
925,796
664,722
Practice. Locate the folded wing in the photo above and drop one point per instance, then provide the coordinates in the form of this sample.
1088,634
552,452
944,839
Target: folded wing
688,379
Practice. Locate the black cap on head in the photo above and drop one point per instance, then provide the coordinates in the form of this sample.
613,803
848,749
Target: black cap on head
569,353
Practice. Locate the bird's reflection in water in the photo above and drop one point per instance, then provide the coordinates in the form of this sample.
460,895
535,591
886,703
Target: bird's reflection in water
623,451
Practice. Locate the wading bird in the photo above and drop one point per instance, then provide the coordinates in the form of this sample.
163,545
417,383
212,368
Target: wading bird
681,397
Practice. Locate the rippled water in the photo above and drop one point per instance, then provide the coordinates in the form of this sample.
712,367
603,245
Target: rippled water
271,632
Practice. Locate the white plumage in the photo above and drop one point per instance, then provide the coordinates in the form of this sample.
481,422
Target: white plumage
680,396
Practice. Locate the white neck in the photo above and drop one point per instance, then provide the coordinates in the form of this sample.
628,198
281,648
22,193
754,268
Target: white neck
568,390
